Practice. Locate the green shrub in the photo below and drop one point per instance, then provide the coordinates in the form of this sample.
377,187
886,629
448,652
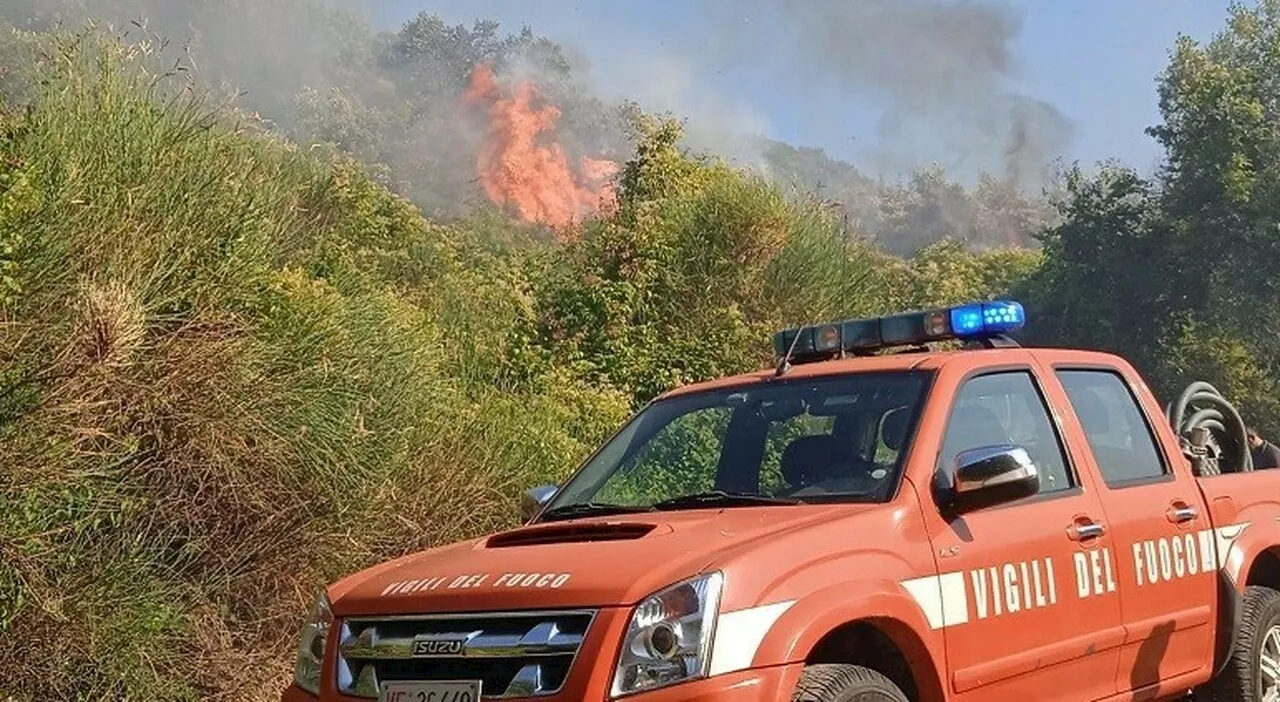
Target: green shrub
233,370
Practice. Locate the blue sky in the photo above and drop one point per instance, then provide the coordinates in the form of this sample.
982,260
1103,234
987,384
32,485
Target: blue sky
1095,61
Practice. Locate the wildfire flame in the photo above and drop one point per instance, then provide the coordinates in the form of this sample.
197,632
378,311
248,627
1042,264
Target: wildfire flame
520,167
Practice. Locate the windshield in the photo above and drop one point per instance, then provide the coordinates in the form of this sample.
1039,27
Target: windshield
826,439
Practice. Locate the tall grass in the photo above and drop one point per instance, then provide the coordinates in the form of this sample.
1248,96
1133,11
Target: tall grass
233,369
230,370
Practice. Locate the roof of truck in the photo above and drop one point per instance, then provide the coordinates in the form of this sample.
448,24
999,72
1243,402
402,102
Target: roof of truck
867,345
928,360
922,360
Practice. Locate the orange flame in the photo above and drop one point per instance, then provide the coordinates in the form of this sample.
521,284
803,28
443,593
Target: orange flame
521,169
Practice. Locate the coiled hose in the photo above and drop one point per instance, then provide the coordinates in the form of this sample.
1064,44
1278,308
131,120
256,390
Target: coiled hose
1210,430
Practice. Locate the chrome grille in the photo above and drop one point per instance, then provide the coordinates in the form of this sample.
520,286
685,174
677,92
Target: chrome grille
515,654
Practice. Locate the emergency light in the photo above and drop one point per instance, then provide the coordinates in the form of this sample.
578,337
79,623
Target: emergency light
973,321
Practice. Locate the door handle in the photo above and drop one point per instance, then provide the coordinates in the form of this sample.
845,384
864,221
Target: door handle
1181,514
1090,531
1085,532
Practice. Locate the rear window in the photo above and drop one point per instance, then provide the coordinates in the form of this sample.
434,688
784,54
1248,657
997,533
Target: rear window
1119,436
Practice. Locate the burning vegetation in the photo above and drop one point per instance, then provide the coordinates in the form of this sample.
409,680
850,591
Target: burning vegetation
523,168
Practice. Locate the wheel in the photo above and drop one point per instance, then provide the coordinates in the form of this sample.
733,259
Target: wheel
1253,673
845,683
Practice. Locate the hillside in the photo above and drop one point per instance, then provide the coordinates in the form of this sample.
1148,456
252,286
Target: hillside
224,354
226,349
397,101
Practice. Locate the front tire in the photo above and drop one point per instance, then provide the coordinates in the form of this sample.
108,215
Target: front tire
845,683
1253,673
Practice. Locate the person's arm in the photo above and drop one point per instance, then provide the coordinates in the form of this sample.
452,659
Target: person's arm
1270,457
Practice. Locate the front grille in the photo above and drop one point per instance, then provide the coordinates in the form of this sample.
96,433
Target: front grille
516,654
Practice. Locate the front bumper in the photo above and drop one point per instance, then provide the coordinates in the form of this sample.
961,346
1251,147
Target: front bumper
764,685
591,678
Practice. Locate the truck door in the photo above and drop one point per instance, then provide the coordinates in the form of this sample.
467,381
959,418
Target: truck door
1165,553
1036,626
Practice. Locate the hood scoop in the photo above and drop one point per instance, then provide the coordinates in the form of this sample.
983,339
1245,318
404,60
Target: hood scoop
571,533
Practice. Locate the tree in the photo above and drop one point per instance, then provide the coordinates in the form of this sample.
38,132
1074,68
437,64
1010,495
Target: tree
693,272
1180,273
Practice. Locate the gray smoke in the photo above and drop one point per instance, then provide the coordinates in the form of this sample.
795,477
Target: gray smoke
267,50
937,71
934,74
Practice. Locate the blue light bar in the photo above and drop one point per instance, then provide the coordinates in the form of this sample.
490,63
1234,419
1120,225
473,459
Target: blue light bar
981,319
968,322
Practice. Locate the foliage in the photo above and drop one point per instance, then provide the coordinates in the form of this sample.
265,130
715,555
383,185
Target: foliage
1178,273
1089,291
947,272
223,358
223,355
698,268
320,73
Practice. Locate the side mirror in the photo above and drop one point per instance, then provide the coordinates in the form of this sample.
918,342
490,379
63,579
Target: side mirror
992,475
534,498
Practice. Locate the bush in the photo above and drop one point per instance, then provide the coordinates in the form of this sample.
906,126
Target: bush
224,359
233,369
695,271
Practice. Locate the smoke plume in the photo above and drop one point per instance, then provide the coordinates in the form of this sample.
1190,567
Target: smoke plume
938,72
933,79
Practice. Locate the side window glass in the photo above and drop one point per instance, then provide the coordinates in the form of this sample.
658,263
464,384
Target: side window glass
1006,408
1118,434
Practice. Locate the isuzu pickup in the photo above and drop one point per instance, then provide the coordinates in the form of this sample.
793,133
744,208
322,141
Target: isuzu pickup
912,507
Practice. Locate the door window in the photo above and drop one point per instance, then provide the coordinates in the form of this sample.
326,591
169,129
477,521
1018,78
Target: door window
1006,408
1118,435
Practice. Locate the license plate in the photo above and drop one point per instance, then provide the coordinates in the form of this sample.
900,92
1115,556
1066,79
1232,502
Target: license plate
462,691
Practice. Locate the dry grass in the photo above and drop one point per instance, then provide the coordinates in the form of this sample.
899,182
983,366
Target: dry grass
232,370
221,361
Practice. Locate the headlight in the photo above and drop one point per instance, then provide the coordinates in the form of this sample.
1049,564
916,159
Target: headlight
669,638
310,662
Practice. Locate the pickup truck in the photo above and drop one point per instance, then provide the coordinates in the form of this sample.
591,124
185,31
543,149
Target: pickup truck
912,507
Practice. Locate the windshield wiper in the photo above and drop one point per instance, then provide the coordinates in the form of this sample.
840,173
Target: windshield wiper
720,498
589,509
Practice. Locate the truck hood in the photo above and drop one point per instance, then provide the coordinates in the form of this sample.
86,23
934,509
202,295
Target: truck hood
596,562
